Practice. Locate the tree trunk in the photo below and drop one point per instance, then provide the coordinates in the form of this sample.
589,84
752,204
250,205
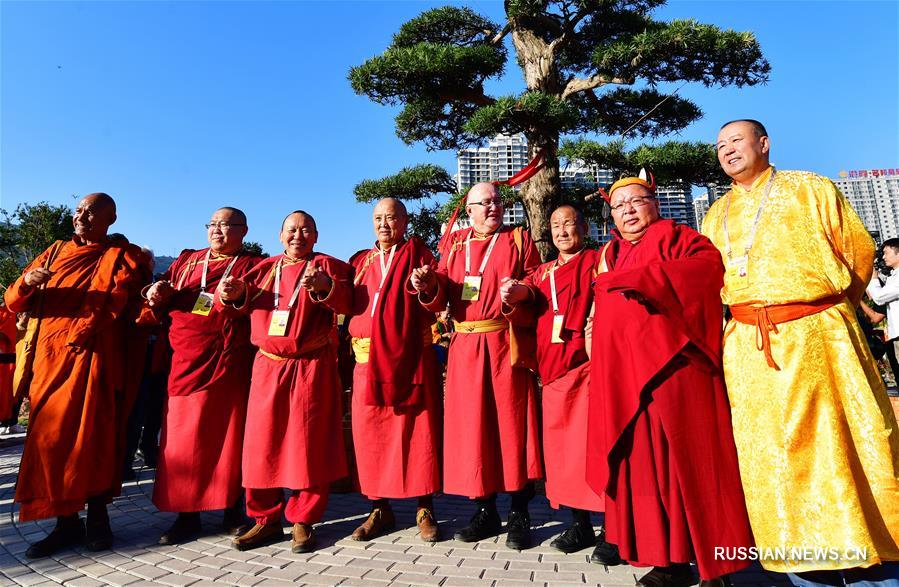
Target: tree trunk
542,193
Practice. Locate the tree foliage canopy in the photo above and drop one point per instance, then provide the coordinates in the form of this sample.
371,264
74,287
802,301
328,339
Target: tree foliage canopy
591,67
27,232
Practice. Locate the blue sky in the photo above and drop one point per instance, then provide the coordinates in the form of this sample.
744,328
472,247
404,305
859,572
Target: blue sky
177,108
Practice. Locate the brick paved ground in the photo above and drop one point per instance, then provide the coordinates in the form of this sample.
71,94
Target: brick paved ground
397,559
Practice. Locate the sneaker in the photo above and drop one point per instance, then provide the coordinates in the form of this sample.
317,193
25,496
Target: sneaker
484,524
518,530
575,538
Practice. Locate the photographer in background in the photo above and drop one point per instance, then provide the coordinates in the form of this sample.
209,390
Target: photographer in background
886,293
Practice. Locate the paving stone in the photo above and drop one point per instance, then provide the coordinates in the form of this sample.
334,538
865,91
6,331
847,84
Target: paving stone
555,577
416,579
84,582
507,574
177,580
206,573
376,575
484,564
119,578
423,569
464,572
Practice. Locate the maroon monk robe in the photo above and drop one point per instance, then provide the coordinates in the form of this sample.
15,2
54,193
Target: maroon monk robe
661,442
491,437
203,426
84,383
396,414
564,370
295,407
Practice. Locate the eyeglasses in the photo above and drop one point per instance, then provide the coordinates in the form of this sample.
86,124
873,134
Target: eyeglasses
633,203
488,203
222,225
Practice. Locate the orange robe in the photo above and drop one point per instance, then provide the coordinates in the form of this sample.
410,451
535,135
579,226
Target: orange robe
565,372
397,446
295,411
8,335
86,357
202,433
490,422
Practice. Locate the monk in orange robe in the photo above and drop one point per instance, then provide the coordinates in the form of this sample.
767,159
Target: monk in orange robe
295,406
85,292
490,425
661,445
397,399
209,381
8,334
558,296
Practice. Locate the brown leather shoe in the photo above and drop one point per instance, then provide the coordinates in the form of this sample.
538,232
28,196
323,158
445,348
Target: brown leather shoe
303,538
379,521
258,535
429,531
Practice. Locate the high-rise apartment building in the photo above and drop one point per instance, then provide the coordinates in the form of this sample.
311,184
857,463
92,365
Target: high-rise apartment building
700,209
874,194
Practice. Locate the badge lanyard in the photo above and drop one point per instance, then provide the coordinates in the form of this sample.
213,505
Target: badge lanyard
277,288
755,225
206,266
558,319
203,305
486,255
384,270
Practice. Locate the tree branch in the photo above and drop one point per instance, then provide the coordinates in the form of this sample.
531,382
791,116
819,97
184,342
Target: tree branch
498,37
580,84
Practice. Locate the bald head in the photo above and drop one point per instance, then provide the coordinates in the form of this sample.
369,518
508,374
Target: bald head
568,228
390,221
226,230
93,216
298,234
236,214
484,207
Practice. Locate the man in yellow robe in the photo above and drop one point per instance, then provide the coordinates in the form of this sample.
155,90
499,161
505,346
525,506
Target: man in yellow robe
817,441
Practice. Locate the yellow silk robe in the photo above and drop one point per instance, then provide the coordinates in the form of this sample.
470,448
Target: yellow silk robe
817,441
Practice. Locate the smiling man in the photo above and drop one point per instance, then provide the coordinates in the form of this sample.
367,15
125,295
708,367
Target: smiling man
396,411
808,401
295,406
659,425
490,425
202,435
83,295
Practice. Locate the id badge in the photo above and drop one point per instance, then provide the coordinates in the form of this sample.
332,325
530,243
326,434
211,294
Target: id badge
558,321
203,305
278,326
737,273
471,288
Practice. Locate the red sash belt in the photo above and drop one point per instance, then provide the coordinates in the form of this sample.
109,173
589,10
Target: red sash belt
766,318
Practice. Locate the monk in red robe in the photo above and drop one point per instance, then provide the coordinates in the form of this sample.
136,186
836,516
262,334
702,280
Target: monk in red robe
295,407
85,293
209,382
559,297
8,335
661,444
490,425
397,396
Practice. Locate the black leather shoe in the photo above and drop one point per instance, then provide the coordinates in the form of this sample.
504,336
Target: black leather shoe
68,532
484,524
677,575
187,525
518,530
98,536
235,522
575,538
605,553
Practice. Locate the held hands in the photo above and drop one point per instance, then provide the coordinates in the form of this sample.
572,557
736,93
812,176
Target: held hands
37,277
424,279
160,293
315,280
512,292
232,290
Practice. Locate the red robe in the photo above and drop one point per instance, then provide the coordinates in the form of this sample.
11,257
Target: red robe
295,411
661,442
86,358
565,373
396,436
8,335
490,407
209,381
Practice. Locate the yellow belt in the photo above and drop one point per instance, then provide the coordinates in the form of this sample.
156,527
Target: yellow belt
480,326
362,346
